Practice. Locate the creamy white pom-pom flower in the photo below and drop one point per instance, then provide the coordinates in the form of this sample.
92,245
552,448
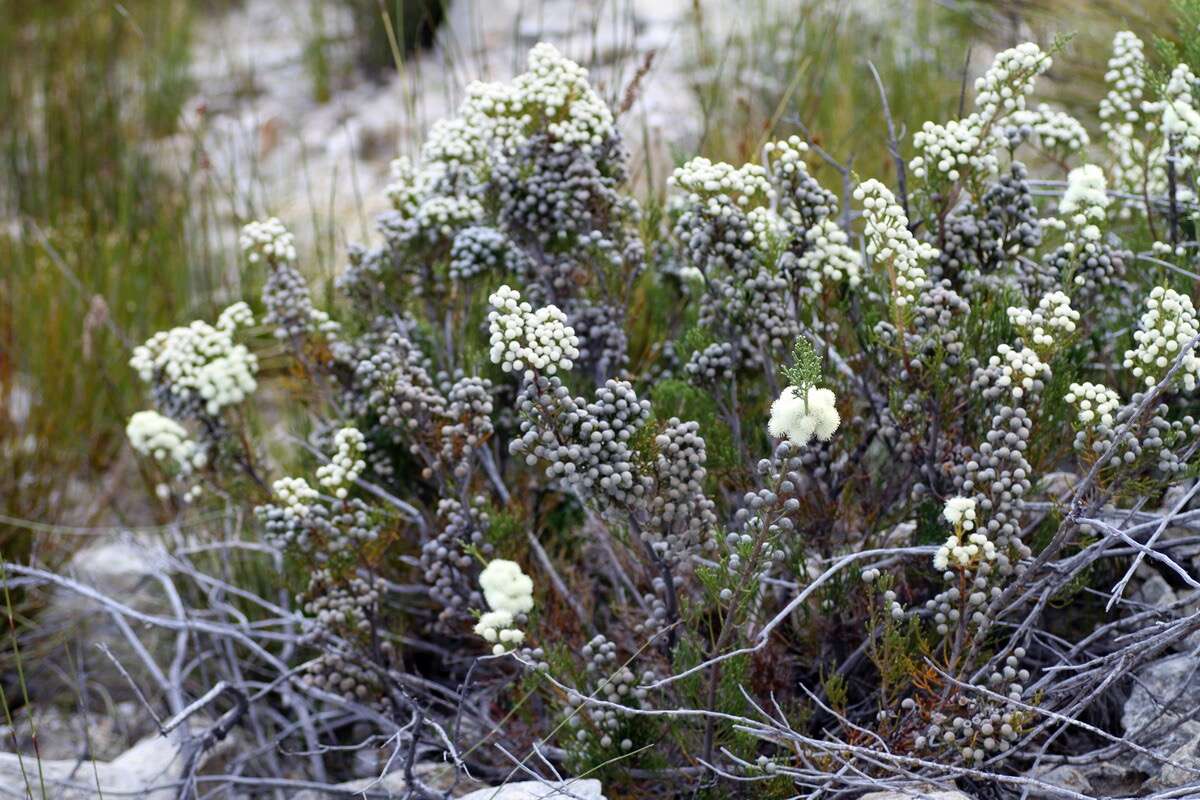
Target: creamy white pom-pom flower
509,592
960,511
506,587
799,418
152,434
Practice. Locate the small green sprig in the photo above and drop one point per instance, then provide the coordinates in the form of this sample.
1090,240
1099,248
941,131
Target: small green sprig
805,370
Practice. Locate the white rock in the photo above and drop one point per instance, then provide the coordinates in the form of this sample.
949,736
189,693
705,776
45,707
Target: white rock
929,793
116,566
586,789
1154,591
436,776
1064,776
147,771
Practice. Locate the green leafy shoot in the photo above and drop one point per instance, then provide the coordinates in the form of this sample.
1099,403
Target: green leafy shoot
805,370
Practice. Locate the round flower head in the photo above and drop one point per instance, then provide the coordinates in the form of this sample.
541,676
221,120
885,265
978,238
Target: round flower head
960,510
799,419
506,588
150,433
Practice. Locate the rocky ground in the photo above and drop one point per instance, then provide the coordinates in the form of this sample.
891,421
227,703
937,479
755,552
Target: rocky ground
269,146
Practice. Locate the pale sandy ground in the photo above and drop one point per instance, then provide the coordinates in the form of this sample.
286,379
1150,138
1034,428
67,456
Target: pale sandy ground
272,148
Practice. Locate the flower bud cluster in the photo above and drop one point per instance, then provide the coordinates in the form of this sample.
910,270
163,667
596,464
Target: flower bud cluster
1053,131
447,564
524,340
346,464
891,244
199,368
152,434
1095,402
609,681
1046,327
1167,327
973,727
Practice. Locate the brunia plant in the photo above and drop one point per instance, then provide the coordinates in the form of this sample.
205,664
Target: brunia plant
759,489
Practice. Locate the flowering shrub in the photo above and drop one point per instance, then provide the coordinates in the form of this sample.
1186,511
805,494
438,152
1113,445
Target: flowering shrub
759,488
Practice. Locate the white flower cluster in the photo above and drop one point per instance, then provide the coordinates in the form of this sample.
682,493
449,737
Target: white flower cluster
968,146
439,216
235,316
1180,119
786,156
1095,402
506,587
553,90
1167,326
1052,317
1003,88
509,592
201,361
408,185
960,513
890,242
952,148
152,434
346,464
558,89
799,418
267,240
829,256
954,551
497,628
767,229
526,340
1120,108
718,183
1019,369
1122,111
1086,196
296,496
1084,205
1054,131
